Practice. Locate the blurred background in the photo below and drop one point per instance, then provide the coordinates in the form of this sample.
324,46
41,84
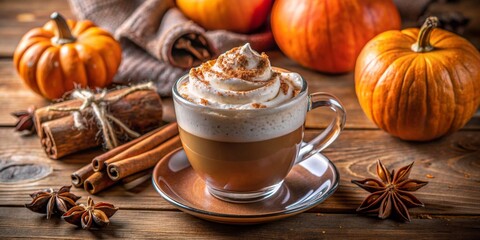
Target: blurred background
459,16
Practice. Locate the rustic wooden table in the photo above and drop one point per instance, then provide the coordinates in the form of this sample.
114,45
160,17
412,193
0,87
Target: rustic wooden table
452,164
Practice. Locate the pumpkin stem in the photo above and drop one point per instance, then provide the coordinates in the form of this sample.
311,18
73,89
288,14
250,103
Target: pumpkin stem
64,33
423,40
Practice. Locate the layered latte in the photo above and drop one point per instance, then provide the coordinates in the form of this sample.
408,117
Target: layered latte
241,121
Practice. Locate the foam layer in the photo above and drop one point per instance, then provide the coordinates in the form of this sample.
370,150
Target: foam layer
246,100
243,125
240,79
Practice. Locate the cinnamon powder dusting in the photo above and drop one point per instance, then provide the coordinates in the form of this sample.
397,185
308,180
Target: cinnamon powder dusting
258,105
204,101
198,71
295,92
284,87
242,61
235,65
187,97
242,72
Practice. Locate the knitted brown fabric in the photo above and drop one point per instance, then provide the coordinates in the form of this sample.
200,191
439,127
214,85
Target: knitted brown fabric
108,14
159,43
156,26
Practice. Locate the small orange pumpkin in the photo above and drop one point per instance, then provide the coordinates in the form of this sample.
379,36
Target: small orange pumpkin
419,84
328,35
52,59
237,16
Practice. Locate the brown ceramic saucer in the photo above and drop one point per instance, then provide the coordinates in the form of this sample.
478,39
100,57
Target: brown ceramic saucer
308,184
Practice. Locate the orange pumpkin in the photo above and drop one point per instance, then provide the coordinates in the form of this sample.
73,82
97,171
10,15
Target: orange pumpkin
418,84
237,16
328,35
52,59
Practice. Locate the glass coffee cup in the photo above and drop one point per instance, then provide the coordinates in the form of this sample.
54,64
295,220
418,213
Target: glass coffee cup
244,155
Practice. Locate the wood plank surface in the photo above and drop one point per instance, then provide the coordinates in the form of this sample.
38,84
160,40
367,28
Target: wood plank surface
133,224
450,164
451,161
14,95
19,16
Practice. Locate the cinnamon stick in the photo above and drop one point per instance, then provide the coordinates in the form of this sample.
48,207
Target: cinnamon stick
97,182
140,111
98,161
60,138
79,176
44,114
147,144
126,167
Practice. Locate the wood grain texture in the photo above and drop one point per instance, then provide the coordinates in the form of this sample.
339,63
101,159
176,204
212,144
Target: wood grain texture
17,17
14,95
451,198
452,161
450,165
173,225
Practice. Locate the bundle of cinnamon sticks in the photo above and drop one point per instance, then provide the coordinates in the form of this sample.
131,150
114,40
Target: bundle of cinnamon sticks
128,162
59,135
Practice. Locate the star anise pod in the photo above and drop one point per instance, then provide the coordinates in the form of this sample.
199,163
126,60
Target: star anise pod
52,202
392,194
25,120
92,215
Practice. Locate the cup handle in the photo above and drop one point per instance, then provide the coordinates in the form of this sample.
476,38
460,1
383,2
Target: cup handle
330,133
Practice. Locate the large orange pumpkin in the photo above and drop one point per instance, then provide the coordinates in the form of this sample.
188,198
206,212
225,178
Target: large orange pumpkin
418,84
328,35
54,58
238,16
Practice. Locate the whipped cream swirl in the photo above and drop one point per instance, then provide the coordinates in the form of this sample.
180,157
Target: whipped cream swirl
241,78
